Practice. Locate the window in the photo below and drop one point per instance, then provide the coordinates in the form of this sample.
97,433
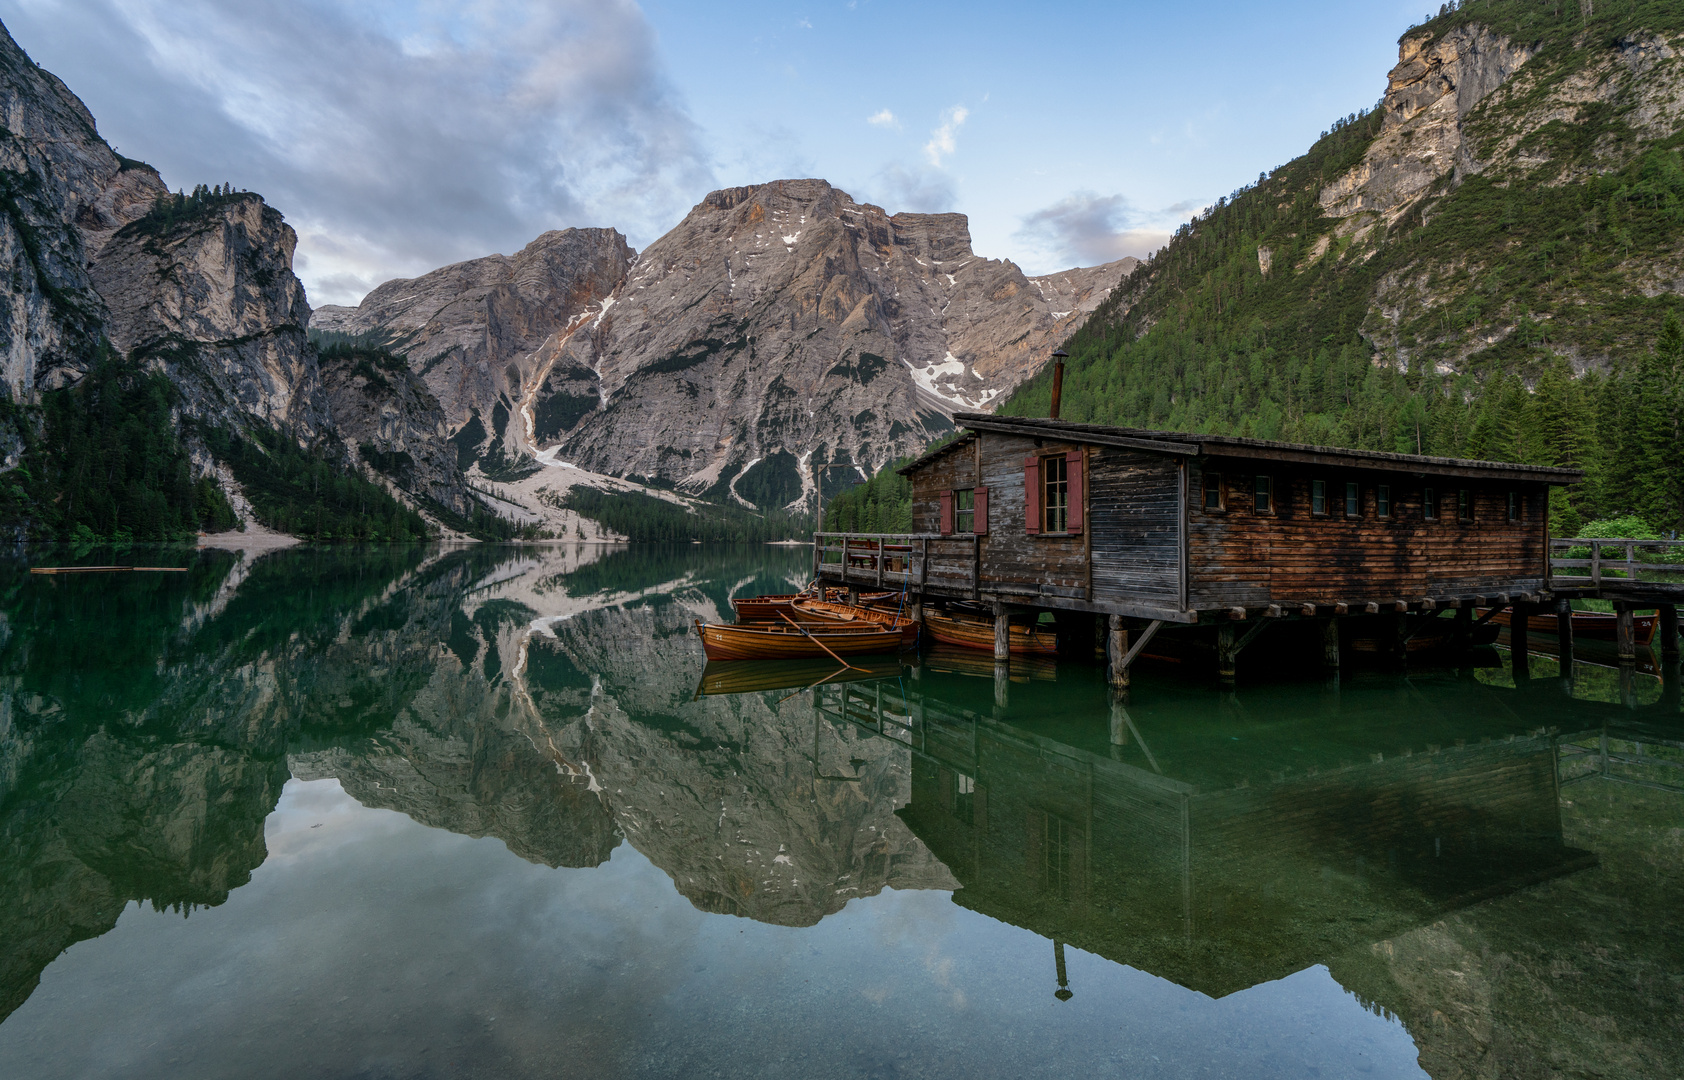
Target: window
1383,501
1055,495
1429,504
1353,500
964,510
1263,495
1213,491
1059,840
1514,506
1318,498
1464,505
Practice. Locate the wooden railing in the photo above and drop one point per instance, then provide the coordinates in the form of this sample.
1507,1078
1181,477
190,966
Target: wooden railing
898,560
1616,560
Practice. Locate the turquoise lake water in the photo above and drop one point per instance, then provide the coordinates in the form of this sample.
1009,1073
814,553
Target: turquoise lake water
485,812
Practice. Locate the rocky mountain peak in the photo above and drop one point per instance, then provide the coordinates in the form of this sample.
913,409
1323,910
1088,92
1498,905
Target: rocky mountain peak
774,322
788,319
1439,79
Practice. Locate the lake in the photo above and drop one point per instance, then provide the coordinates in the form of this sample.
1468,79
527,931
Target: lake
484,811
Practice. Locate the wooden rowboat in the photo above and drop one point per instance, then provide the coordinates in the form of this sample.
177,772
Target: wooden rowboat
726,641
1599,625
764,608
768,608
970,633
820,610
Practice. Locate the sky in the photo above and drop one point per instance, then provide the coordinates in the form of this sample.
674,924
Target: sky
402,135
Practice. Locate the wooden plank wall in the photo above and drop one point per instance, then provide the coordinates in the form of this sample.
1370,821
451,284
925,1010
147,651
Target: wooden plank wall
1241,557
956,469
1135,514
1056,565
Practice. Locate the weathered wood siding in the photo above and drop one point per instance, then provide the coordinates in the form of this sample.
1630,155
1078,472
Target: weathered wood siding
1242,557
1135,504
952,470
1138,532
1012,558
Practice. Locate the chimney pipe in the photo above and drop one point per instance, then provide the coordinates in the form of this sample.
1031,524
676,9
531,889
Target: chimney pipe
1058,380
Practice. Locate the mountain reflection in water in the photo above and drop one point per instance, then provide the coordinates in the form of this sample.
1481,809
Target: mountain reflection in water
1406,836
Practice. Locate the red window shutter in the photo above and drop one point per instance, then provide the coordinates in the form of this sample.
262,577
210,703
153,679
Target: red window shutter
1073,473
1032,494
946,512
981,516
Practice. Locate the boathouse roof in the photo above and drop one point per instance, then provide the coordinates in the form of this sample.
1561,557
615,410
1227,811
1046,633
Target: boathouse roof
1188,444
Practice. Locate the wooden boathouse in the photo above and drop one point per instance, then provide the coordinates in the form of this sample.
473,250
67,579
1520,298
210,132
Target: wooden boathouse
1024,515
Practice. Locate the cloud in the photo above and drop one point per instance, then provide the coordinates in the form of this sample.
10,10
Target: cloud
921,191
1085,229
883,118
394,138
942,139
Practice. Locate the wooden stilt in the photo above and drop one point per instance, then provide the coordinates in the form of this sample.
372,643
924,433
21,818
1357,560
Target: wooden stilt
1520,655
1119,719
1227,638
1116,652
1625,633
853,594
1564,637
1399,638
1002,634
1330,644
1672,692
1668,631
1462,635
1002,683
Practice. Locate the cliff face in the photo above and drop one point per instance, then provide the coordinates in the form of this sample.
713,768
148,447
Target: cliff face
1519,116
198,287
1437,82
473,331
390,419
62,193
213,301
773,322
787,319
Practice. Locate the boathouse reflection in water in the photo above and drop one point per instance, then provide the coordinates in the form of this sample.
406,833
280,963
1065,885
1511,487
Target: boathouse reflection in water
1217,862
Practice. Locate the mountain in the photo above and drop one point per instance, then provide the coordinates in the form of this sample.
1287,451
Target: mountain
156,367
1485,265
774,322
473,331
169,374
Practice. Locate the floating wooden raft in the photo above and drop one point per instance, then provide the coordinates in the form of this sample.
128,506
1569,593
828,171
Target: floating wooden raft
723,641
821,610
979,634
106,569
1588,624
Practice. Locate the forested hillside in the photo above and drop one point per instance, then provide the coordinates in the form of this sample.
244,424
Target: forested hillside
1523,308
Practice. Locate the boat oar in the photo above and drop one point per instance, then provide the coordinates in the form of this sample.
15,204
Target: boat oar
826,679
820,644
